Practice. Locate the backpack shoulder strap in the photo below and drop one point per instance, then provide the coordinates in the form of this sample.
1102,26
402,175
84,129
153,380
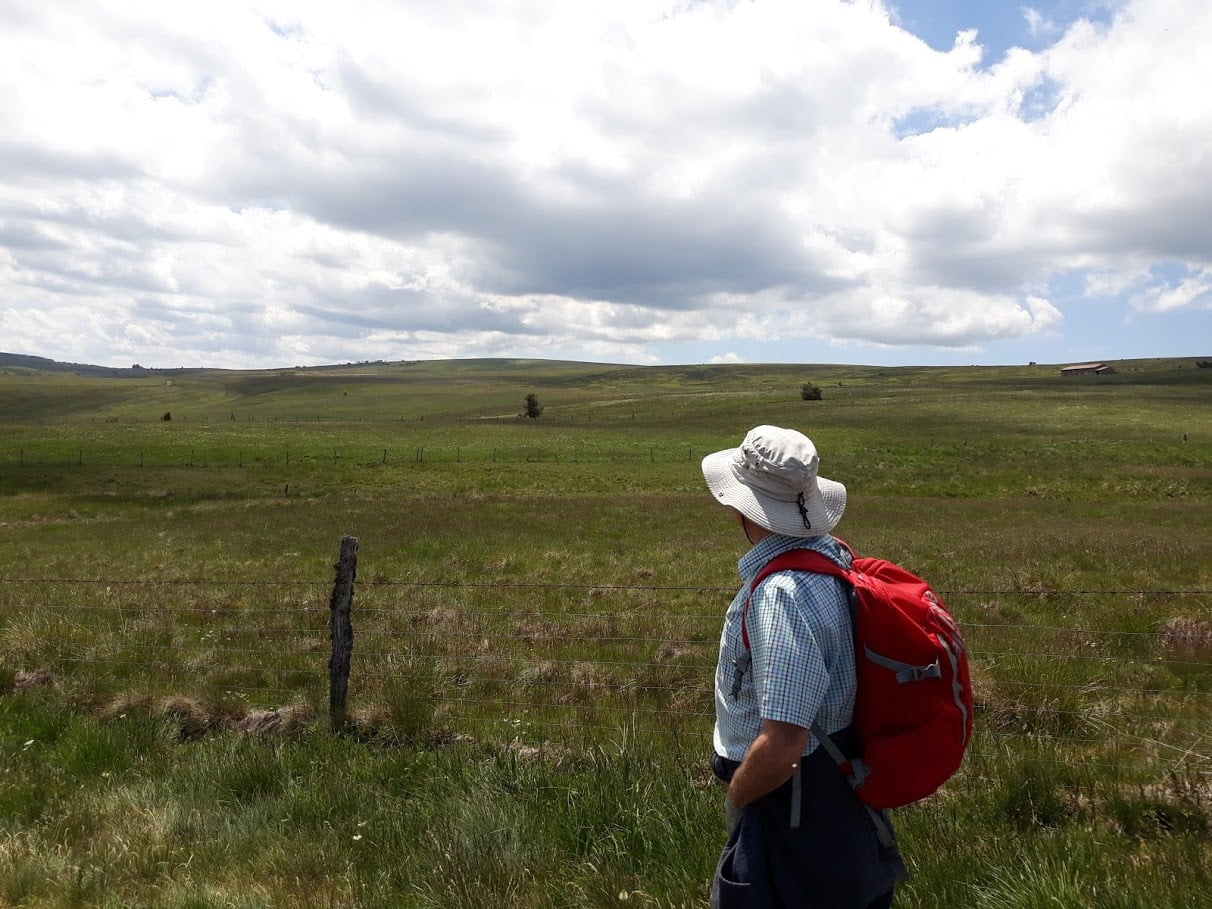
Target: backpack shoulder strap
794,560
853,769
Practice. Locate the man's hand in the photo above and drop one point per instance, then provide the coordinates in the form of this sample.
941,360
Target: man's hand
769,762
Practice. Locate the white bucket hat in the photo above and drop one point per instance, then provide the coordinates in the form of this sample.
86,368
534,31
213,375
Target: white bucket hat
772,480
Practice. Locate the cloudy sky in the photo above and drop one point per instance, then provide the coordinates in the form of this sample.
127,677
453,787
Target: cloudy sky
295,182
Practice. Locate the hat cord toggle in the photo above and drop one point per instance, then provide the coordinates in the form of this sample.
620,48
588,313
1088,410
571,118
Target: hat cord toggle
799,503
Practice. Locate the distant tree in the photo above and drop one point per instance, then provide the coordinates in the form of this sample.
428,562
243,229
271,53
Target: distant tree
533,407
810,392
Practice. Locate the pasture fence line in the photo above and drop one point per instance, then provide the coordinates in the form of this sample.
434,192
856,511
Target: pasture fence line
545,419
364,456
538,662
174,455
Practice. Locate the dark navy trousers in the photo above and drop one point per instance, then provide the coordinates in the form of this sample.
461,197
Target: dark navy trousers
832,860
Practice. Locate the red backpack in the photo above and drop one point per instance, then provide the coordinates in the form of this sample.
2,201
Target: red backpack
913,710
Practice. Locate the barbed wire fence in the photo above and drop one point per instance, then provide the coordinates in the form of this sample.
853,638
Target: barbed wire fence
401,447
537,664
259,454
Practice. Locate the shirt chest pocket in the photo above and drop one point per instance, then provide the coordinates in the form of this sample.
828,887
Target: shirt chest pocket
740,666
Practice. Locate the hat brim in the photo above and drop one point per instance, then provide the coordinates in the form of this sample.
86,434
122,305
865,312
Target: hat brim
823,505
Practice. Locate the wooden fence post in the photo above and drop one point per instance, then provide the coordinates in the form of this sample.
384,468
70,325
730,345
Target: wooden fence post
341,632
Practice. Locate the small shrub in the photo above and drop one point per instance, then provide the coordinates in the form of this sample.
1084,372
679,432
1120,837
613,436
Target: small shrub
810,392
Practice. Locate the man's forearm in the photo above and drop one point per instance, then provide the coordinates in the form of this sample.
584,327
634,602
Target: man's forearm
769,762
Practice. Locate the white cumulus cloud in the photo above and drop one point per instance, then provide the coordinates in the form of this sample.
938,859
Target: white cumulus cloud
270,183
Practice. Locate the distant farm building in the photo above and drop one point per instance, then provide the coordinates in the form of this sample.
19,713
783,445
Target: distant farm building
1088,369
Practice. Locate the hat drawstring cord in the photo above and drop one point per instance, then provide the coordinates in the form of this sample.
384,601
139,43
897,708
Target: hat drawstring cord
799,503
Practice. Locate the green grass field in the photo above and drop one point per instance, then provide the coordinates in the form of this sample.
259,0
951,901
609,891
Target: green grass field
536,614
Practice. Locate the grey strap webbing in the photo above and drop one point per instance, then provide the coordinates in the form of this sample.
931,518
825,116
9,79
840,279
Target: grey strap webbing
856,775
905,672
797,794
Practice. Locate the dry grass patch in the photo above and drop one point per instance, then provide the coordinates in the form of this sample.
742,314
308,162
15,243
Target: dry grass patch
536,631
1187,637
673,650
25,680
194,719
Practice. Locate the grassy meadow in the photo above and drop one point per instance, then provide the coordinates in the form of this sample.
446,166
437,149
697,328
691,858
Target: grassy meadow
536,615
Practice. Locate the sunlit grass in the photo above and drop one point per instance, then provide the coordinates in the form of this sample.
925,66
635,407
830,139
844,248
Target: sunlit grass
536,617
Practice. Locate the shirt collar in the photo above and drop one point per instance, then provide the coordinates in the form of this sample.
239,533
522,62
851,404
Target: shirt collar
776,544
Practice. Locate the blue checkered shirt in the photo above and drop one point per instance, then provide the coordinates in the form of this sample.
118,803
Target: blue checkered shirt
801,649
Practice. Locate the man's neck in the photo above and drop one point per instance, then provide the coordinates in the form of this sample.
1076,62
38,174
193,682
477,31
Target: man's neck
754,533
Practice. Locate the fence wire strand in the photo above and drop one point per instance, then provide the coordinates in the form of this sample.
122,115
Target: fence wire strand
1080,694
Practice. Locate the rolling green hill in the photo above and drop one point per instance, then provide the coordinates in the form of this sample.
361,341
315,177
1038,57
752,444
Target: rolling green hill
33,389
